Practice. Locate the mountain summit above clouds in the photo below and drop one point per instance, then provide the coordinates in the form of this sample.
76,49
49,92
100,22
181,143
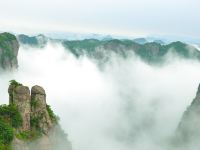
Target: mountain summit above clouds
150,52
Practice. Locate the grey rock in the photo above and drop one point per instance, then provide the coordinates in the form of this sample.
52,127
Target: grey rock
39,109
33,106
37,90
188,132
20,96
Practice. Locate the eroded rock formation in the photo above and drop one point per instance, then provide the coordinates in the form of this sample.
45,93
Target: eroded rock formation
39,108
38,120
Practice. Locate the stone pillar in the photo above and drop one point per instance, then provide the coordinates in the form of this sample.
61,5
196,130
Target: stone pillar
39,109
20,96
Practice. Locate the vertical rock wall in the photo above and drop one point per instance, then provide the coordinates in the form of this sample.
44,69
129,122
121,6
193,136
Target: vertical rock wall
20,96
36,117
39,109
31,107
188,133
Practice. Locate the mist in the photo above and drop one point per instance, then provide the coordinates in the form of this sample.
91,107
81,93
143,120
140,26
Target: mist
126,105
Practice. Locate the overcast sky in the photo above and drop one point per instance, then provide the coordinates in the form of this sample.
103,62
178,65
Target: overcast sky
122,17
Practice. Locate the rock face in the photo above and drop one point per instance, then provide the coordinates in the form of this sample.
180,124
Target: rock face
20,96
9,47
37,119
39,108
188,132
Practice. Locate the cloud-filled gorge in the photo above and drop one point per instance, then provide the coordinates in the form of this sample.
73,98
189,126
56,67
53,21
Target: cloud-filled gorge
125,105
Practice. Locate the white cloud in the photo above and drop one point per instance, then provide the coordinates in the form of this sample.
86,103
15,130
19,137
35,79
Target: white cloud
128,105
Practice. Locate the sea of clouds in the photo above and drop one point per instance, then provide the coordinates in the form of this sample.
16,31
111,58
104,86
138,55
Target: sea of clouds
124,106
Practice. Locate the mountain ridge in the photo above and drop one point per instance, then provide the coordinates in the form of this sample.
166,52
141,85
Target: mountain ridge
150,52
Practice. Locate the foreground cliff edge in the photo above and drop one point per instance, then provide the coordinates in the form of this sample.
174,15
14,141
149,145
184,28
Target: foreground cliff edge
188,133
28,123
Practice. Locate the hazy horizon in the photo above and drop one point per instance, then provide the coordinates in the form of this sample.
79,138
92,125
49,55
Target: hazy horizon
108,94
122,17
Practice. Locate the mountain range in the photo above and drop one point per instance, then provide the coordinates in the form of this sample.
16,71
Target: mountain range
150,52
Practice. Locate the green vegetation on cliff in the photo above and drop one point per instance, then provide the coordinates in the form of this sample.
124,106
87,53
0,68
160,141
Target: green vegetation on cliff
28,135
10,120
10,123
5,38
6,135
10,115
152,52
13,117
9,47
14,83
52,115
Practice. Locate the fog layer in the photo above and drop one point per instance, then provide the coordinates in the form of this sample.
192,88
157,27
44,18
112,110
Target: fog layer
126,105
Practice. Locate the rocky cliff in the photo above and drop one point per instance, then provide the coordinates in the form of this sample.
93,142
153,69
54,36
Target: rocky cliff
9,47
36,125
188,133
